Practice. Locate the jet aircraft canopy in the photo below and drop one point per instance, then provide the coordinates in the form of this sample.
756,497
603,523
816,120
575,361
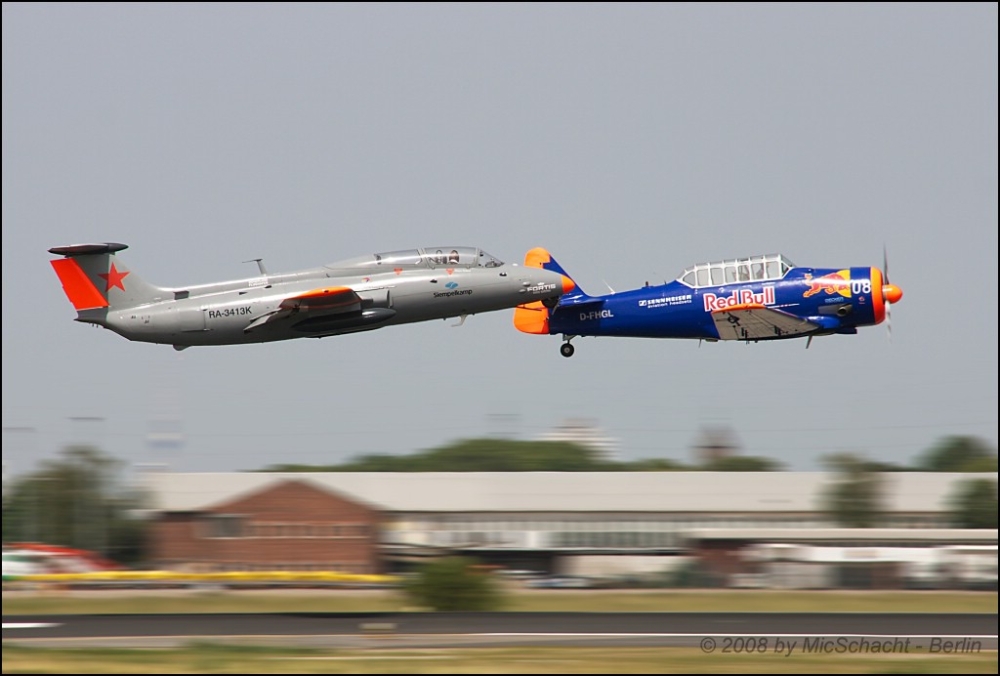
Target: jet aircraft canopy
429,257
768,267
448,256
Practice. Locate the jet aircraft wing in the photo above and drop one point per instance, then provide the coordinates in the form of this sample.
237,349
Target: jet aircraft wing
758,322
323,302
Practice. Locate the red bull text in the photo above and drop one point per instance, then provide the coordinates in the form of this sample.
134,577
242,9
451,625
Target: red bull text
739,297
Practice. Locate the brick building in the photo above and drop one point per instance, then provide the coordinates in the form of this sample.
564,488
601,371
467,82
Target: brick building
286,525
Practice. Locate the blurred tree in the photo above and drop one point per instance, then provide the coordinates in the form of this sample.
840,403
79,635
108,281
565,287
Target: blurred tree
742,463
981,465
693,574
882,466
491,455
453,583
652,465
503,455
77,501
974,504
959,454
854,498
476,455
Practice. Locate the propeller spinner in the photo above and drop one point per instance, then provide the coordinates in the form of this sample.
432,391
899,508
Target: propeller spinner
890,293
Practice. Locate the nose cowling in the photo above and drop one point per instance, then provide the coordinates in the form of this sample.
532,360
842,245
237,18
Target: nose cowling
891,293
884,294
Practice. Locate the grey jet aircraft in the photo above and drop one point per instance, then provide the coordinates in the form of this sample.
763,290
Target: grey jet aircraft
358,294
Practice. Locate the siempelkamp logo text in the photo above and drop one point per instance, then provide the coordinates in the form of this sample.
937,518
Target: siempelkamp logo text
457,292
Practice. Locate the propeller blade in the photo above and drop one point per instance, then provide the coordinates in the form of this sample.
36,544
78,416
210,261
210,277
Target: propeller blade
888,303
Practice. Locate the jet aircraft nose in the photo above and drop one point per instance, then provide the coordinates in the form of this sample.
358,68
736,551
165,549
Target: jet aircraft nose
892,293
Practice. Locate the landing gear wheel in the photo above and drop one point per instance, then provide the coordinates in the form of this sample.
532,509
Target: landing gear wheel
566,350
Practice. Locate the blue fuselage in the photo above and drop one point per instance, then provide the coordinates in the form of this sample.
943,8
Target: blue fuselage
838,301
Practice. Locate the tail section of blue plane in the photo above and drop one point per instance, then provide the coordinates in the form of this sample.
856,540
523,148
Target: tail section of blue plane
534,317
540,258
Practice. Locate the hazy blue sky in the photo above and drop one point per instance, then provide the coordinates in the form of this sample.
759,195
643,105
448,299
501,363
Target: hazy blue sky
630,140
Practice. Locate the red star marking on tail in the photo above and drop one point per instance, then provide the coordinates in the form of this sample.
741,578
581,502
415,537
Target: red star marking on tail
114,278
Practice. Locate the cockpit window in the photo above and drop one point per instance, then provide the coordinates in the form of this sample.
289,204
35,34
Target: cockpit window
488,261
381,261
759,268
460,256
408,257
448,256
438,256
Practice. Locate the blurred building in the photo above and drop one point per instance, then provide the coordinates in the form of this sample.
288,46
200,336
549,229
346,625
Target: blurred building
714,444
847,558
585,432
587,523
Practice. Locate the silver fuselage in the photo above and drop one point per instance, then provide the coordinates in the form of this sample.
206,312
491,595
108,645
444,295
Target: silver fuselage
219,314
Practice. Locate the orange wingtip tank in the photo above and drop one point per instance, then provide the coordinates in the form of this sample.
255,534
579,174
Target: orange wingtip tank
324,292
532,318
317,299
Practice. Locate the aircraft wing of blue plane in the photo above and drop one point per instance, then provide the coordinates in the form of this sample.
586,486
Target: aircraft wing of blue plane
750,299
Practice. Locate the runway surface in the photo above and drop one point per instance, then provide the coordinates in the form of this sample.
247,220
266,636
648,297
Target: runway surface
826,631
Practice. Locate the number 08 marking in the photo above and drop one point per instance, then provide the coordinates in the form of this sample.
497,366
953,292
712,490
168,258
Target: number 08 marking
859,286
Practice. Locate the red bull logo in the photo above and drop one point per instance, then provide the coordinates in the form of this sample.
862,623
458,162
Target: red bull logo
739,297
835,282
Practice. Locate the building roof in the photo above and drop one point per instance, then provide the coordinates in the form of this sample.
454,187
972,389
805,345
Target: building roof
981,536
699,492
584,432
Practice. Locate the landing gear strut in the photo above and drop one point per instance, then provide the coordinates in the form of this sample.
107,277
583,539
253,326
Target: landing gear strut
566,349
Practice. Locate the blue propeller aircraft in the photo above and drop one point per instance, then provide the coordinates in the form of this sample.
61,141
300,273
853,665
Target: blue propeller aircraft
750,299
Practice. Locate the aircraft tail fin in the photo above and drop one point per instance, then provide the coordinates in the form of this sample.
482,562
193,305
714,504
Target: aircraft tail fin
93,278
540,258
534,317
